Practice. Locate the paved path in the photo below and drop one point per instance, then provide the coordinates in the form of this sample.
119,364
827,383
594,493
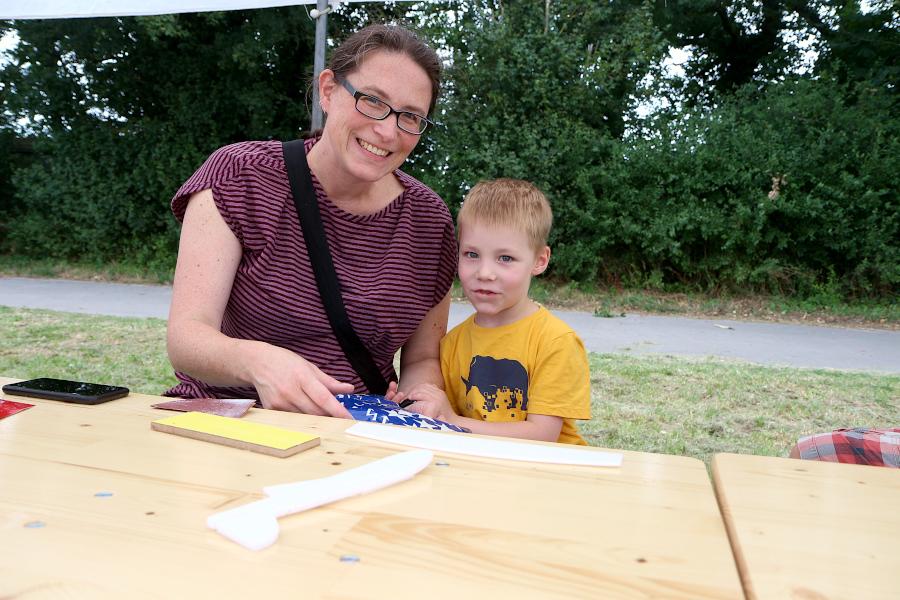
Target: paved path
764,343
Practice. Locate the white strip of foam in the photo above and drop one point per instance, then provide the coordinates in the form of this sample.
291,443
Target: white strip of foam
255,526
475,445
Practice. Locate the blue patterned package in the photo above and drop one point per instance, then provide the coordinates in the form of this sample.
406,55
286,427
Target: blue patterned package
378,409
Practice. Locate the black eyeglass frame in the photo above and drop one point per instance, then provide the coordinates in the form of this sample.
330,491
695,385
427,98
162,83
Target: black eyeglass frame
391,110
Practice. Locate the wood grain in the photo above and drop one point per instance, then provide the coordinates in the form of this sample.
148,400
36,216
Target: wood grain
811,530
470,528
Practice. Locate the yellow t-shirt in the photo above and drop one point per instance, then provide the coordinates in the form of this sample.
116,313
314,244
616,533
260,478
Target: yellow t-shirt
535,365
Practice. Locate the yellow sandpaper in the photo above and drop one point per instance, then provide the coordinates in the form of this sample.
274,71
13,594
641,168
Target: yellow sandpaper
239,430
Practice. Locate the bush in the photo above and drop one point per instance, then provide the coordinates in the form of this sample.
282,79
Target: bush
784,190
100,195
124,110
790,188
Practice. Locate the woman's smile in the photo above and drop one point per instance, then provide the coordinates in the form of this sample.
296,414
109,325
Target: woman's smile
373,149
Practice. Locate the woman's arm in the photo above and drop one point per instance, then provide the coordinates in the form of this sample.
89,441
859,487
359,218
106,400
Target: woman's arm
420,357
208,258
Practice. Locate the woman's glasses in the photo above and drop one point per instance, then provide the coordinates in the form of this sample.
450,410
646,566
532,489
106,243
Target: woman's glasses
376,108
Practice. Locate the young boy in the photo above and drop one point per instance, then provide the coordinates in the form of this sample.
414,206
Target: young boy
511,369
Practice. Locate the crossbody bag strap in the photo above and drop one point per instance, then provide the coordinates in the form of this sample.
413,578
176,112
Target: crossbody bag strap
323,267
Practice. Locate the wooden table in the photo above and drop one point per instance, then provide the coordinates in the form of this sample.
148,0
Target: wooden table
475,528
811,530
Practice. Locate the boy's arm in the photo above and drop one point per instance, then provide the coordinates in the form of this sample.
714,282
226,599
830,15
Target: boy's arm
420,357
432,402
535,427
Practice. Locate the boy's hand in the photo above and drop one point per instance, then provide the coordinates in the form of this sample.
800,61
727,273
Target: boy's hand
396,396
392,393
431,401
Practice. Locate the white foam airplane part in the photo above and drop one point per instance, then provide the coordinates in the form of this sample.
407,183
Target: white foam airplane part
255,526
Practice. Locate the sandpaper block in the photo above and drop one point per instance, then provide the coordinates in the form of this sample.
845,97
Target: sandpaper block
224,407
236,433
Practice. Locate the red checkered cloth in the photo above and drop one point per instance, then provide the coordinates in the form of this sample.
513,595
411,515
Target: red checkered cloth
877,447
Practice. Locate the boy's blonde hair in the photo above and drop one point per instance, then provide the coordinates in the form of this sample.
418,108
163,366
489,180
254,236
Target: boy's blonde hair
509,203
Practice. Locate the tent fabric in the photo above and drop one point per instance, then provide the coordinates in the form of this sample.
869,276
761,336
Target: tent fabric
68,9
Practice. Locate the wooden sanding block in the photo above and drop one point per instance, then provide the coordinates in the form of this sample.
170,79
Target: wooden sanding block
236,433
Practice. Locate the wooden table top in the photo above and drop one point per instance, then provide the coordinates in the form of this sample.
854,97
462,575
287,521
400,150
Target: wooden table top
811,530
475,528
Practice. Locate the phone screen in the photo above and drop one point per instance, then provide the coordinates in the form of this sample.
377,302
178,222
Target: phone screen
67,387
69,391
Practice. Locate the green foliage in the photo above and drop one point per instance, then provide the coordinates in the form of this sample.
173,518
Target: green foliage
736,42
541,96
684,201
79,206
15,153
756,174
859,41
124,110
786,190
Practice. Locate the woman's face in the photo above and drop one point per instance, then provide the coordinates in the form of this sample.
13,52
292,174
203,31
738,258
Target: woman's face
365,148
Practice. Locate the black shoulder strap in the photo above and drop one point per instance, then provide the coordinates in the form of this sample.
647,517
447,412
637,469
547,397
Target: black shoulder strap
323,267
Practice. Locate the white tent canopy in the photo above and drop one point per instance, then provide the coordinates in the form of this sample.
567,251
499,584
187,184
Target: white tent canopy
70,9
67,9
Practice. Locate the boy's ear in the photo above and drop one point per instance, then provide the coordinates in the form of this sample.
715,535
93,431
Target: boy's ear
541,261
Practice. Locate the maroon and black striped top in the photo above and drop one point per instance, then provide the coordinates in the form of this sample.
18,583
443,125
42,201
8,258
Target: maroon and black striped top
393,266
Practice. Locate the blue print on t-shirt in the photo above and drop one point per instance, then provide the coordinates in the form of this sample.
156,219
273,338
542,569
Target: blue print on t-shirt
495,375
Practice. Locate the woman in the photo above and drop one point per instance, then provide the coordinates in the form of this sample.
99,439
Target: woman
246,319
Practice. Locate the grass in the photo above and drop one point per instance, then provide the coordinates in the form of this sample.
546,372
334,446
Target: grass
647,403
697,407
51,268
122,351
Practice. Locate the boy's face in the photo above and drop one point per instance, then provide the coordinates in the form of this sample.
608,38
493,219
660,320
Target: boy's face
495,269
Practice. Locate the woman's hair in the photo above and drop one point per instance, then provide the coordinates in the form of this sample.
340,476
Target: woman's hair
512,203
347,57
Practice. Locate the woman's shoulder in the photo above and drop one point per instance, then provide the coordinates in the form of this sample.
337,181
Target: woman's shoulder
242,154
238,166
423,194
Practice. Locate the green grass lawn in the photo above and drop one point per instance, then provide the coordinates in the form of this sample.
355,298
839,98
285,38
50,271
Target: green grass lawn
122,351
649,403
697,407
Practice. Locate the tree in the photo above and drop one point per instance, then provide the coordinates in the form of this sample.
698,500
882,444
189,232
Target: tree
542,92
732,39
734,43
858,44
123,110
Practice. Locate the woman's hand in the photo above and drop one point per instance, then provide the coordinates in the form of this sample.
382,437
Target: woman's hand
287,381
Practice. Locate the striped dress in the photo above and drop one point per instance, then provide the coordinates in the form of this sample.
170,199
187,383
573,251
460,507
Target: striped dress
393,266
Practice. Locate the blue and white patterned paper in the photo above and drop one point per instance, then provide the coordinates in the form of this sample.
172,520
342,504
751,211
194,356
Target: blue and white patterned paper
378,409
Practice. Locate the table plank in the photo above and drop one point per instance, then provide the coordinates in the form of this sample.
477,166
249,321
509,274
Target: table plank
476,527
145,540
811,530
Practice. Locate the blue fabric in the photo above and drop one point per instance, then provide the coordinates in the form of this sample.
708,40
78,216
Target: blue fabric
378,409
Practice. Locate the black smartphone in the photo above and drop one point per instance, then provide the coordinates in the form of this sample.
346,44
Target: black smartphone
78,392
